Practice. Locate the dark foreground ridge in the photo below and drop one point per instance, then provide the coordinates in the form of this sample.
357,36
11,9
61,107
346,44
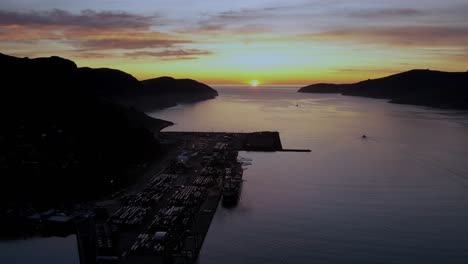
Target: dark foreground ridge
66,126
74,159
61,142
419,87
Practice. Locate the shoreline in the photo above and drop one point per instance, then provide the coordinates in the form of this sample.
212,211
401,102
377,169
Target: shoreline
198,164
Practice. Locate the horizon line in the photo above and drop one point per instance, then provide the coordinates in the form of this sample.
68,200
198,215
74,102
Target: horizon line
262,85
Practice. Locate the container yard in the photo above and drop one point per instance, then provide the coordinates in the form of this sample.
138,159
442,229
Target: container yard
166,219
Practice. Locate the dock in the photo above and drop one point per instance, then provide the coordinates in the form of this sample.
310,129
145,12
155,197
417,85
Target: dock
295,150
265,141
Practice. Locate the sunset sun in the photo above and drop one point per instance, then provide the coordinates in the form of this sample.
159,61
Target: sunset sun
254,83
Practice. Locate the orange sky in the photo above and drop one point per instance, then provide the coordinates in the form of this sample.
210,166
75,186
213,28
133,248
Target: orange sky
234,42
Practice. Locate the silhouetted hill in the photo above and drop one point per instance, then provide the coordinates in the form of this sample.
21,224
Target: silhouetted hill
420,87
108,82
148,95
323,88
59,141
166,85
165,92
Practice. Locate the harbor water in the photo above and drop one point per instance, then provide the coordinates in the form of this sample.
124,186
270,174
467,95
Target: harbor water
400,195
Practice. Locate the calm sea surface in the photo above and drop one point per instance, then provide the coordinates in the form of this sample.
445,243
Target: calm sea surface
400,196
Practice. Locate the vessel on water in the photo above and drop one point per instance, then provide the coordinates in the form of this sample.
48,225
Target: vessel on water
232,185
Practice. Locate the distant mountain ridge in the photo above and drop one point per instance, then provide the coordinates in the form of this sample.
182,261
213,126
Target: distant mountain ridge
420,87
145,95
181,86
323,88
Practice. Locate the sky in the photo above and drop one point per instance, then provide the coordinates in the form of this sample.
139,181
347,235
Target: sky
235,42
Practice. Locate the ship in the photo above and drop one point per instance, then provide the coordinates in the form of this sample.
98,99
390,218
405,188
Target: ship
232,186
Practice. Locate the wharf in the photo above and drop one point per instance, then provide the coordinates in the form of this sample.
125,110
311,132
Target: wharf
265,141
165,216
295,150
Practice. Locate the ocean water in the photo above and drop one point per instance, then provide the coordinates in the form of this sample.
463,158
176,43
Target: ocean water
399,196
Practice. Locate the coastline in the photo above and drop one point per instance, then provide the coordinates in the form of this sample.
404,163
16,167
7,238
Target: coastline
396,101
197,161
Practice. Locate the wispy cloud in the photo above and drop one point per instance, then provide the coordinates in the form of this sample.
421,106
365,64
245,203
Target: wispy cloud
243,21
127,43
170,54
382,71
386,13
87,31
86,18
420,36
92,55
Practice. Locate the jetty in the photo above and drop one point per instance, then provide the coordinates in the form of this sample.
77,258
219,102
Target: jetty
264,141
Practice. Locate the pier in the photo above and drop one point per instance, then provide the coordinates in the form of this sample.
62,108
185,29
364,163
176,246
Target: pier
295,150
265,141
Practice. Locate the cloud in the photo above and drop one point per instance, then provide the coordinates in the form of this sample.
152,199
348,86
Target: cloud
179,54
243,21
295,17
399,36
86,31
457,54
86,19
382,71
25,34
91,39
92,55
171,53
179,58
386,13
127,43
